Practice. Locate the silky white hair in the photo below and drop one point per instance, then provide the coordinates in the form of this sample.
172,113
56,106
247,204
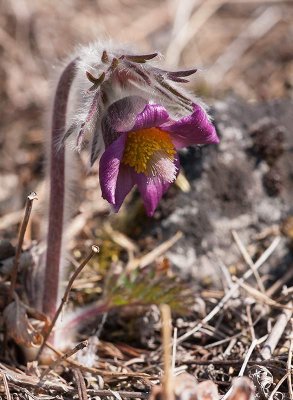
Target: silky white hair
145,79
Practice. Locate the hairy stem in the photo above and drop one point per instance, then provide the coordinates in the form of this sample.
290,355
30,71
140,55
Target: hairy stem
86,314
57,193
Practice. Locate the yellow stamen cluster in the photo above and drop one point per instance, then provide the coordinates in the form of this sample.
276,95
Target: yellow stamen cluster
141,146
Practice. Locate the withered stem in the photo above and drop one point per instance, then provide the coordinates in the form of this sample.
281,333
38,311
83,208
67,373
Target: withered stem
96,371
28,208
81,386
167,383
62,358
94,250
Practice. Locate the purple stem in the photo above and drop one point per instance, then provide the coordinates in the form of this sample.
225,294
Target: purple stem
57,193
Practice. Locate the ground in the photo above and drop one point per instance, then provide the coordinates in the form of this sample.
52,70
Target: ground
230,208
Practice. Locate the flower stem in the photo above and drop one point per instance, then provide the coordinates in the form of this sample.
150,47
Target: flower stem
57,193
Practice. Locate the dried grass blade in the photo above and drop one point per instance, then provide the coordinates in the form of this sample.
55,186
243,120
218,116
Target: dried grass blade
276,333
248,260
6,387
81,387
167,384
261,297
266,254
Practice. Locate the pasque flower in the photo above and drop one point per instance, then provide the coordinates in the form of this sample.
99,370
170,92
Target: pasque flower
137,116
134,116
142,149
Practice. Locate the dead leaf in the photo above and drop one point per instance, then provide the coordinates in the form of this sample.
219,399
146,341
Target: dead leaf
18,325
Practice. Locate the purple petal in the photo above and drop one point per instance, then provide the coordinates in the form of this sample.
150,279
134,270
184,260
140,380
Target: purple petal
109,168
192,129
125,183
120,117
152,189
152,115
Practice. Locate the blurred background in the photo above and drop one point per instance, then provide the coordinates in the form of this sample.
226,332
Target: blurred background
240,47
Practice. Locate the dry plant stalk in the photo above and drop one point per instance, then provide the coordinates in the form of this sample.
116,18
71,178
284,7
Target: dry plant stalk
60,359
97,371
262,298
28,208
94,250
276,332
6,387
81,387
266,254
248,260
167,381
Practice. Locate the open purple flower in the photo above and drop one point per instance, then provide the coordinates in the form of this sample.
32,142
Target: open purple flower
141,148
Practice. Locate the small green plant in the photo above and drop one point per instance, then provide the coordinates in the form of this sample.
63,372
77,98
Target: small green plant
147,287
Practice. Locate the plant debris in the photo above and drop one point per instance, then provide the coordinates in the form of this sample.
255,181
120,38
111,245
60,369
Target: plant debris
219,249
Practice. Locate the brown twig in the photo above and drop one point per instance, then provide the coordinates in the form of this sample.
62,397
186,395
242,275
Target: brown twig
64,357
250,323
28,208
81,387
6,387
94,250
96,370
167,382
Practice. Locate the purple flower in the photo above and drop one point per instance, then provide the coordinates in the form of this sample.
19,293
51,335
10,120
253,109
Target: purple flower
141,148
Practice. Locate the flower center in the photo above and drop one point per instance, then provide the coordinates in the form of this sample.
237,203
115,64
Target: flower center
148,150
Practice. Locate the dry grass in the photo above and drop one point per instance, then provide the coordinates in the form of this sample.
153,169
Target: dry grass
239,46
